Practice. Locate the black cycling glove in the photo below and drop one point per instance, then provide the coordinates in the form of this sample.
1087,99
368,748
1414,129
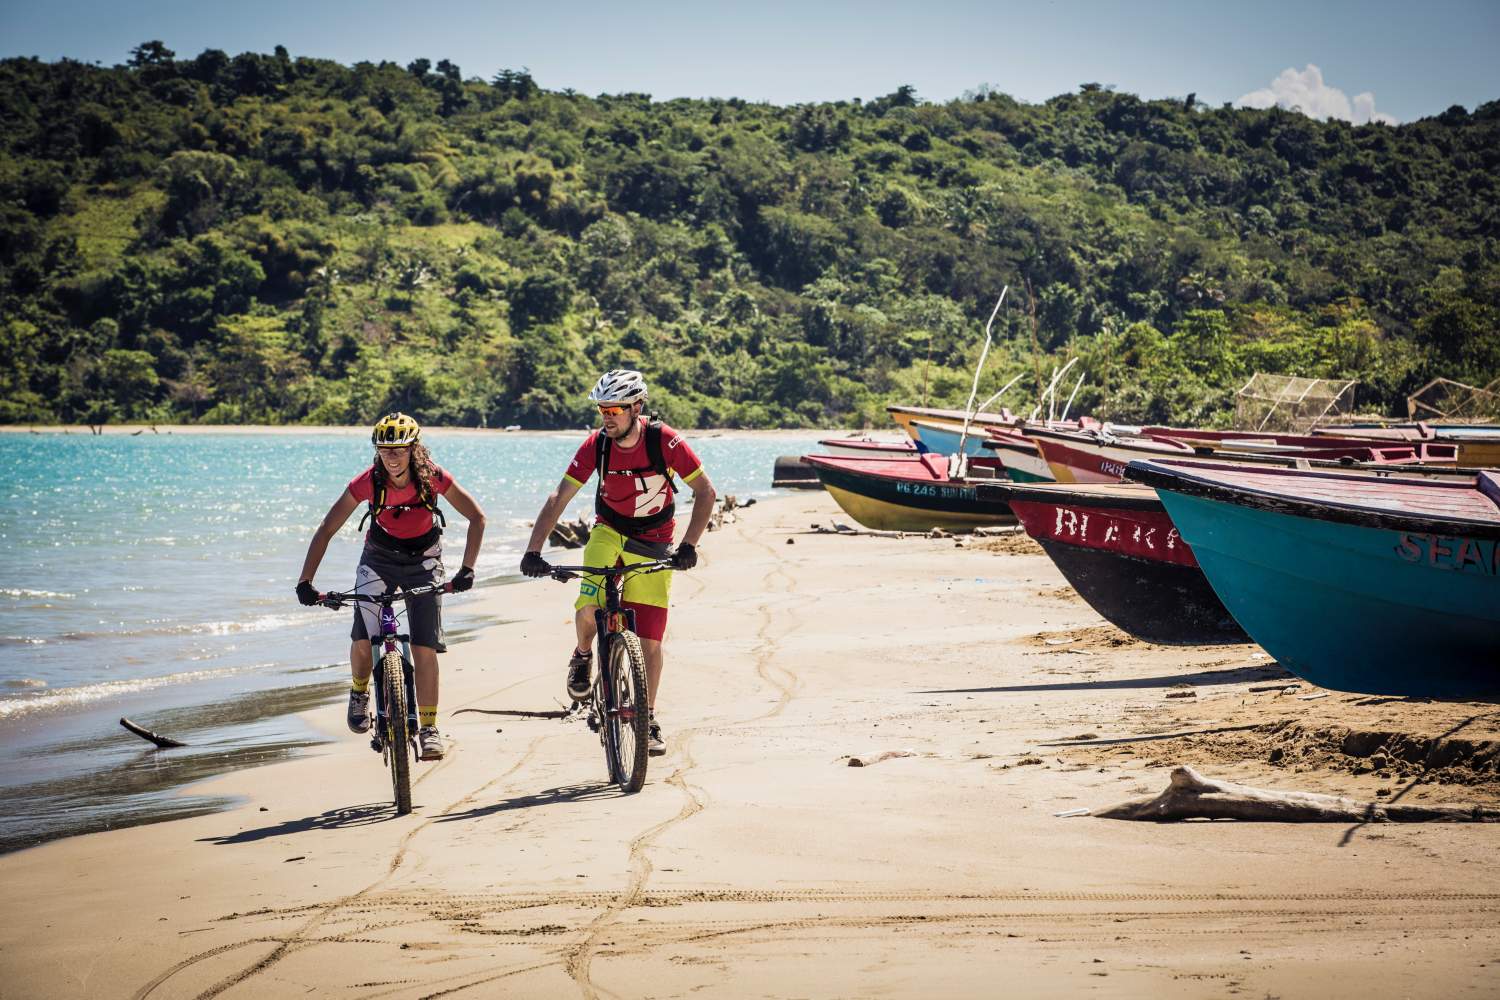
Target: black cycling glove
533,565
307,593
463,580
686,556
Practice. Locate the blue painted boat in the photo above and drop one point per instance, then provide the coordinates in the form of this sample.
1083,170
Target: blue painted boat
1380,584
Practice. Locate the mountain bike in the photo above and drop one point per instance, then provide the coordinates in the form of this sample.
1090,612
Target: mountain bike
394,731
619,707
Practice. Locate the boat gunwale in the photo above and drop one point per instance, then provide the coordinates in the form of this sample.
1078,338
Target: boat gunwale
1173,480
1055,494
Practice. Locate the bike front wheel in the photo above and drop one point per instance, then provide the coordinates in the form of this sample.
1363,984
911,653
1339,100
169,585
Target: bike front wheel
624,704
397,738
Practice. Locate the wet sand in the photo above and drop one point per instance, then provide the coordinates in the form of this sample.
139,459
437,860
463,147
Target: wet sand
757,862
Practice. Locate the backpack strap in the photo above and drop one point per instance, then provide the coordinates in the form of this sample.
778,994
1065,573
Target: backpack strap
378,504
624,524
654,453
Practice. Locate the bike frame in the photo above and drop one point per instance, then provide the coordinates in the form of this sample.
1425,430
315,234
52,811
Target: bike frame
609,621
391,638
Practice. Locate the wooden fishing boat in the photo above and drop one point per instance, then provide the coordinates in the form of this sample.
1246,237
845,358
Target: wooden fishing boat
1380,584
1101,457
904,415
1116,545
1477,446
1021,458
1019,455
1257,443
868,447
942,436
906,494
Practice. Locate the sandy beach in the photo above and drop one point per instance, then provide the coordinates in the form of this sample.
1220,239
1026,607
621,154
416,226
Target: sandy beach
758,862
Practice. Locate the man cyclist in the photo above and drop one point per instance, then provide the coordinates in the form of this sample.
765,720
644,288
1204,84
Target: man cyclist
635,458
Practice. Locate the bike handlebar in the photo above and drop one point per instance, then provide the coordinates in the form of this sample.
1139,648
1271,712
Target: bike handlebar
334,599
566,573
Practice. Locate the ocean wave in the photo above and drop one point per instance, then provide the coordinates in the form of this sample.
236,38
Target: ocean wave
25,593
261,623
83,694
25,682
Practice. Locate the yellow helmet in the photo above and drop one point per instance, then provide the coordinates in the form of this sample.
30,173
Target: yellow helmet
395,430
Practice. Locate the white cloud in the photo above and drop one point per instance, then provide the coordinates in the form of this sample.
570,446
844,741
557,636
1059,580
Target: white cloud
1305,91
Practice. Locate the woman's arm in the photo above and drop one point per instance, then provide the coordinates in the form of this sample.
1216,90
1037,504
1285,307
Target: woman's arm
332,522
466,505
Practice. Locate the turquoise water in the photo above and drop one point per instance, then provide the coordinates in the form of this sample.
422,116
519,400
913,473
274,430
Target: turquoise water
152,574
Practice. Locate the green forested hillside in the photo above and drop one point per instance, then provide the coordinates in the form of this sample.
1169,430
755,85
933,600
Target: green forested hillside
262,238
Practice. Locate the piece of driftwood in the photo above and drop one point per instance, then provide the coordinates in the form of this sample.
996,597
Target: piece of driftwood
570,534
724,511
1192,796
839,528
166,743
868,759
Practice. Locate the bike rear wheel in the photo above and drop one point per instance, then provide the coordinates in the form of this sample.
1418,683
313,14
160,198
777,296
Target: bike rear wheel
397,738
625,711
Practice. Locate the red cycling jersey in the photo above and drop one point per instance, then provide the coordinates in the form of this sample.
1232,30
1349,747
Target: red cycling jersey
639,495
409,523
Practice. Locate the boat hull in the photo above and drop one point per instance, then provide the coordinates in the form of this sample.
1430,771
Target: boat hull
1155,601
1120,551
943,440
1374,610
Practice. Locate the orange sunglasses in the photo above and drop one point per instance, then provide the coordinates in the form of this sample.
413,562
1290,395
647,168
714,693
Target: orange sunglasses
613,411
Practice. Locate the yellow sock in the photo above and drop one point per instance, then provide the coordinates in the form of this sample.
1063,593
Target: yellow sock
427,716
360,687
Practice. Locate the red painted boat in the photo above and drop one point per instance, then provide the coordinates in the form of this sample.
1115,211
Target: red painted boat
1116,545
867,448
1101,458
1254,442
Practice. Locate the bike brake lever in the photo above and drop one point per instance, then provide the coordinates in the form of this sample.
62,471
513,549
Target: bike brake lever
563,576
327,603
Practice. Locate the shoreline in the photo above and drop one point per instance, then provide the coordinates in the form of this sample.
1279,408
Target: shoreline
139,430
757,854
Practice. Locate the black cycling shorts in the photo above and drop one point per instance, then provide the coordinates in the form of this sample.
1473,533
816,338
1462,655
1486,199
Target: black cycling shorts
382,568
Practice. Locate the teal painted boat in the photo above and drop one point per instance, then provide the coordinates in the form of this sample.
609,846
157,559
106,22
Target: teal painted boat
1384,584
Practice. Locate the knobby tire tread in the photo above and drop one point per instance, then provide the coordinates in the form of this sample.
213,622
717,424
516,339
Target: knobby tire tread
399,739
628,668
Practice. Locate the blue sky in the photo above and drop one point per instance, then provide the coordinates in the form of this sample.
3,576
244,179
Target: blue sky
1376,59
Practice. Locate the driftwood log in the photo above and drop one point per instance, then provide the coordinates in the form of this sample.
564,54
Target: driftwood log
166,743
724,511
570,534
1192,796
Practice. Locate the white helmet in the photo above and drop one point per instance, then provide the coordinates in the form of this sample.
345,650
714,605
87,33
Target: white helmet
620,386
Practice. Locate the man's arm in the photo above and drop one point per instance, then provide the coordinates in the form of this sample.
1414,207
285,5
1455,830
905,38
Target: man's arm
703,508
557,502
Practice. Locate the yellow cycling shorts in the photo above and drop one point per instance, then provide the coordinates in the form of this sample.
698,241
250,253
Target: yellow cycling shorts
606,547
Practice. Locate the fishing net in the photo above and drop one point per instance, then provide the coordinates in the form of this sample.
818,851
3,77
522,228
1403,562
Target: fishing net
1288,404
1454,402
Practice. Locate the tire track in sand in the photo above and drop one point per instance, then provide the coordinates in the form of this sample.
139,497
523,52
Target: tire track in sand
300,937
579,958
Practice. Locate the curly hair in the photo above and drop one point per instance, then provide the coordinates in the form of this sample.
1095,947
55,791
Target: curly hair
421,468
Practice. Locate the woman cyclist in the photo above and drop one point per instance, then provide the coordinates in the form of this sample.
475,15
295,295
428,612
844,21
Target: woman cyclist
403,548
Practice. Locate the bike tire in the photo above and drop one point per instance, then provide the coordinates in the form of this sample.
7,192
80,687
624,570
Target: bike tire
627,720
398,739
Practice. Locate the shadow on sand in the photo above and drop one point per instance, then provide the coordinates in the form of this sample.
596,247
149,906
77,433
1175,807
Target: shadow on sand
550,797
345,817
1204,678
